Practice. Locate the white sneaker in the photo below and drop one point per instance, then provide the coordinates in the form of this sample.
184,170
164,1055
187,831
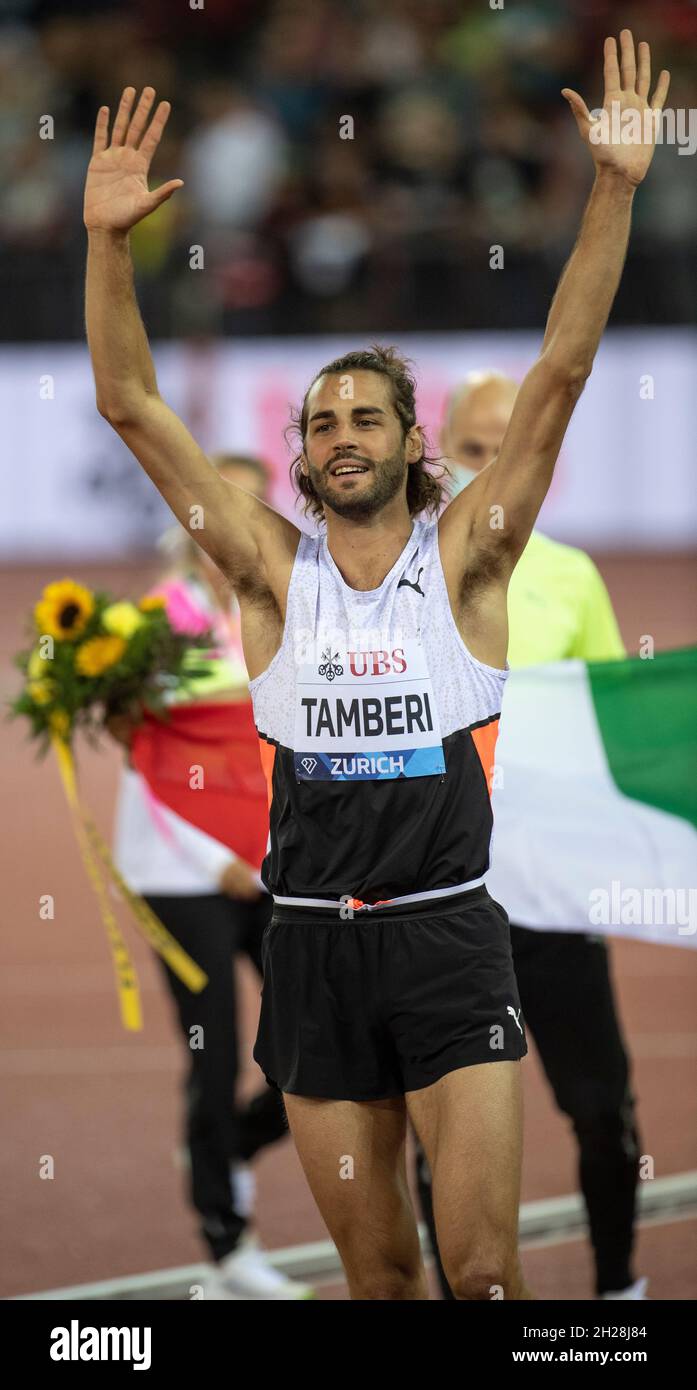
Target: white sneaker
246,1273
636,1290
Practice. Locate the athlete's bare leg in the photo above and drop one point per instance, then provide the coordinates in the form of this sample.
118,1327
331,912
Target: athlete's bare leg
470,1124
369,1215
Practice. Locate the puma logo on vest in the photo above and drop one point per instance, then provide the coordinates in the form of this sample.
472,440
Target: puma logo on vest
411,585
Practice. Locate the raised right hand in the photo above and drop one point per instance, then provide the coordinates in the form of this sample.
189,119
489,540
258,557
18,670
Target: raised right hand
116,190
627,86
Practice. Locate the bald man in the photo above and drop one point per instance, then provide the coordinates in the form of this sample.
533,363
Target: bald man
558,608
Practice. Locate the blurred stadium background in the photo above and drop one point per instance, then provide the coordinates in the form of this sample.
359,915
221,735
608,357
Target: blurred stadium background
312,243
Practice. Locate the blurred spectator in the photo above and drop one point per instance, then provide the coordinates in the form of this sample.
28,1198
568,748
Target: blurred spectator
234,158
459,140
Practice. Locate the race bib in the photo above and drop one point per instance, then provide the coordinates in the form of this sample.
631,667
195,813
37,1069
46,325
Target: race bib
366,716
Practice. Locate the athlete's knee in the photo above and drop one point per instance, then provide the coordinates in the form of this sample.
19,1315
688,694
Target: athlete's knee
388,1281
491,1274
389,1266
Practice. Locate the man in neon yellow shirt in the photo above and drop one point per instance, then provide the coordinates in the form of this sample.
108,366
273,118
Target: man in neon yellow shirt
558,608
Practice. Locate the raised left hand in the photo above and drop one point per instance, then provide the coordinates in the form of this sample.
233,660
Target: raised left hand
619,141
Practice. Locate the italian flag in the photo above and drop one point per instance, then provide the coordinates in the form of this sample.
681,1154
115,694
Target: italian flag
594,793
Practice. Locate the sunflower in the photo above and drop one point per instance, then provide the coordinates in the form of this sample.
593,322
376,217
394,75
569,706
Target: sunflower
122,619
98,655
64,610
152,602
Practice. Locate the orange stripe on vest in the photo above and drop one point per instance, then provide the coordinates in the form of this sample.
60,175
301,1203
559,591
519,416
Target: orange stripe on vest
484,740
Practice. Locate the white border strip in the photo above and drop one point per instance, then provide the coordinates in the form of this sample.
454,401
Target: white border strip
553,1219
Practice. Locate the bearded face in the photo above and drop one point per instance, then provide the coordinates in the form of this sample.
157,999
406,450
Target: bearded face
359,494
356,454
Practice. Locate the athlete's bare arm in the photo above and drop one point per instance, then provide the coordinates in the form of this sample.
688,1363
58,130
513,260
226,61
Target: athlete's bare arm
484,530
251,543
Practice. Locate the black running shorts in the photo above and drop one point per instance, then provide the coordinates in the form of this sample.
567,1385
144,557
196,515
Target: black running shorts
387,1001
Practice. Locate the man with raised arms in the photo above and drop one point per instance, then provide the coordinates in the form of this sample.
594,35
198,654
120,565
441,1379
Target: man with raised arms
388,980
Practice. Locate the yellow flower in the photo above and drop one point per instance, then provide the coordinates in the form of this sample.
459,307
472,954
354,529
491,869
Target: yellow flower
41,692
64,610
38,666
122,619
151,602
59,721
98,655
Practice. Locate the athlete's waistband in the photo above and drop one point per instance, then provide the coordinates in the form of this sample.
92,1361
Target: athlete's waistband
347,905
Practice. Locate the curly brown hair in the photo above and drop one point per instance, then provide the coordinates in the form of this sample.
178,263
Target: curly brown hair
425,492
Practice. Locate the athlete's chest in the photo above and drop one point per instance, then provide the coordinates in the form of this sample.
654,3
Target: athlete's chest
366,686
364,701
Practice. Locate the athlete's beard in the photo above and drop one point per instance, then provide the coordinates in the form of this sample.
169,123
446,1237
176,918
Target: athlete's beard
388,479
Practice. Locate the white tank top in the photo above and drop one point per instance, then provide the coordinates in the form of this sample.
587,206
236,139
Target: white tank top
378,728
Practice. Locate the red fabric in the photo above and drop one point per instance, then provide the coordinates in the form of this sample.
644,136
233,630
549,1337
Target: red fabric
222,740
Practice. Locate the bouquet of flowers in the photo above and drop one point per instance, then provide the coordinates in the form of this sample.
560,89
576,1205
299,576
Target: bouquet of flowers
94,658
